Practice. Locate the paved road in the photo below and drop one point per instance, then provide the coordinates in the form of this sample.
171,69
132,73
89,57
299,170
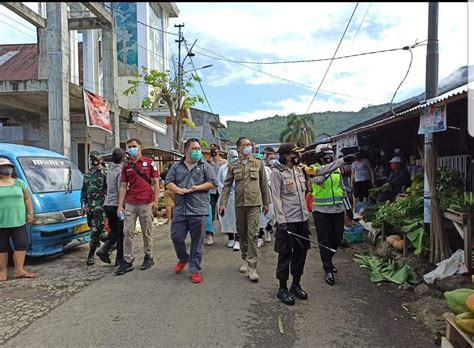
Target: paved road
157,308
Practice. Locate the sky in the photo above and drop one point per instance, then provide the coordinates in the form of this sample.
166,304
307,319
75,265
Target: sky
275,32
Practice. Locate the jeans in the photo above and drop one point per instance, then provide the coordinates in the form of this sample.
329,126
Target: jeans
196,225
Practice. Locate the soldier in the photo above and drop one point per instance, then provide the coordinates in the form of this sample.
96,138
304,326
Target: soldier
251,192
94,189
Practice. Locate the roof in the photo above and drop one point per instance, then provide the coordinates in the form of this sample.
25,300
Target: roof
23,150
18,62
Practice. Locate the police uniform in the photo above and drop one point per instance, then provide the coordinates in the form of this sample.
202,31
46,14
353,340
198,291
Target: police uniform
251,192
94,189
288,187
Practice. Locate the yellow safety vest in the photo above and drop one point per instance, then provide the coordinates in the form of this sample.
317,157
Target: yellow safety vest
330,191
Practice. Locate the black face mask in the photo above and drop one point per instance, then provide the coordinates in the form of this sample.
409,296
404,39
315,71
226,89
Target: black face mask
6,170
213,154
327,160
295,160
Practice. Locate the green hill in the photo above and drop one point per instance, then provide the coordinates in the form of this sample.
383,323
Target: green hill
268,130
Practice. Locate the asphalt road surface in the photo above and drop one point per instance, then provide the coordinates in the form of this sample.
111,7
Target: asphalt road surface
158,308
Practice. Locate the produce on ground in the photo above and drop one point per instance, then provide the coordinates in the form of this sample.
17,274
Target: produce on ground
456,300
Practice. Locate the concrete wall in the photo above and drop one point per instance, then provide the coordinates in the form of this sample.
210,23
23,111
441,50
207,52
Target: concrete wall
34,128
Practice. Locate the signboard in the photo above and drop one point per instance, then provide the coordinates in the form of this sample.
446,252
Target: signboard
433,119
97,112
196,132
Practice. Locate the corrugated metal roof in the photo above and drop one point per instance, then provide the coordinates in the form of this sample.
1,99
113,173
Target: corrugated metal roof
20,66
452,93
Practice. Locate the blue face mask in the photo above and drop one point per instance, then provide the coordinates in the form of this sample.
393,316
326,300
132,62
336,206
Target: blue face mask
133,151
196,155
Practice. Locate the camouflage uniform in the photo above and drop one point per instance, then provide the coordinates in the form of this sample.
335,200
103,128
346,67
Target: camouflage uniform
94,189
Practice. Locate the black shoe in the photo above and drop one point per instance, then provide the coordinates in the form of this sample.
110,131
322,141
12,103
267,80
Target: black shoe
118,262
298,292
285,297
124,267
103,255
329,278
90,260
147,262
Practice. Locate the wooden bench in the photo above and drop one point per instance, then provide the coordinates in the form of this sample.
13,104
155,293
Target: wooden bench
455,337
463,224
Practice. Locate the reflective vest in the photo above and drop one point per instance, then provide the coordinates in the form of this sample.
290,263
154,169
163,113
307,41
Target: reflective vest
330,191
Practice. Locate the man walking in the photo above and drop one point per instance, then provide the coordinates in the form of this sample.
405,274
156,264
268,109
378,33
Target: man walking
288,187
251,192
216,162
190,180
94,188
140,185
110,206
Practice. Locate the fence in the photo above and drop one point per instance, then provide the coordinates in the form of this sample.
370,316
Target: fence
461,164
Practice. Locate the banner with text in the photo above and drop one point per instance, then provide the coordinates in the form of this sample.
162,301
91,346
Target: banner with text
433,119
97,112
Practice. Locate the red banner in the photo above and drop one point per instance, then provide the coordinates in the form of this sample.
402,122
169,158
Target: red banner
97,111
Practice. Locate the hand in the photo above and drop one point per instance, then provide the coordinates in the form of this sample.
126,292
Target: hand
349,158
181,191
350,214
221,210
29,218
119,209
193,189
282,229
154,206
265,209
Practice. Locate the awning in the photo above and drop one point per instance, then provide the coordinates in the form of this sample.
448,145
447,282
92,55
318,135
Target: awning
149,122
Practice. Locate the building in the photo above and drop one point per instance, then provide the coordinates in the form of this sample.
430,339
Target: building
92,47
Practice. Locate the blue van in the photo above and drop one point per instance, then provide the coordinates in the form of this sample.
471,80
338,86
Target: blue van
55,185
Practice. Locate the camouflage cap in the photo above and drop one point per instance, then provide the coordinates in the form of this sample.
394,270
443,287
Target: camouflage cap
95,154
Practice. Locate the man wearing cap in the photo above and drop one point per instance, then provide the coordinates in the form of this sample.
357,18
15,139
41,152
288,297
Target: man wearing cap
288,187
400,177
94,189
328,204
251,193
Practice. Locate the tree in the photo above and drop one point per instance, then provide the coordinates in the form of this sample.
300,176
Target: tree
174,91
299,130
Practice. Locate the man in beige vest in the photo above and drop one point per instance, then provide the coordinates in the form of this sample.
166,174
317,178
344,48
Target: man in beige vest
251,193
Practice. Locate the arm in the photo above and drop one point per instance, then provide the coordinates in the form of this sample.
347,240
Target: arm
264,188
220,179
156,189
84,192
275,187
209,177
170,182
28,205
229,179
122,195
329,168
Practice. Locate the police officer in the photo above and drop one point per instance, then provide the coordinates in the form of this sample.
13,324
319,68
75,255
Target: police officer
94,189
251,192
328,204
288,187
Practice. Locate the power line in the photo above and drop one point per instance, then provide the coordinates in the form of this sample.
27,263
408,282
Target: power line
406,75
199,80
288,80
330,63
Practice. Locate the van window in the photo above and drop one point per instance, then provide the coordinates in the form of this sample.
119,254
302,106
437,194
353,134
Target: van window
51,174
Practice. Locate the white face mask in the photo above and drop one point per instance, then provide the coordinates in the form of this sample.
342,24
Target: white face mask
247,151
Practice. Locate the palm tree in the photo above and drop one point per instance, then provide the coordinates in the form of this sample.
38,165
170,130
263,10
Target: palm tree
299,130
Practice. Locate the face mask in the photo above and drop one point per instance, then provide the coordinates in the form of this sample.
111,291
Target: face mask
295,160
213,154
233,159
133,151
94,161
247,151
394,166
6,170
327,159
196,155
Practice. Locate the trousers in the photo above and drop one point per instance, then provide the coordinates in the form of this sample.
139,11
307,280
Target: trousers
247,223
330,230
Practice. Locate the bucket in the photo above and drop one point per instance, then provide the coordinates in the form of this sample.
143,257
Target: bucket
354,233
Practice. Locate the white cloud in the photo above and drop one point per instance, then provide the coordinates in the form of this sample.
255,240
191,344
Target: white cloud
284,31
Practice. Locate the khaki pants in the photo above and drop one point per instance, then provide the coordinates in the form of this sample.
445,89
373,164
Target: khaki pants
144,214
247,221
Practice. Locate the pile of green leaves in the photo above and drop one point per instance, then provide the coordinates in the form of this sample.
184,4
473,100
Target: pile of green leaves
416,234
373,192
465,205
368,214
384,270
450,188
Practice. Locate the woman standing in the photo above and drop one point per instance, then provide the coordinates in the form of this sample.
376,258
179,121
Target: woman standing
15,209
228,220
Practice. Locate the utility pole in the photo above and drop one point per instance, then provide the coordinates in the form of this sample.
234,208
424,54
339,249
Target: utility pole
432,216
179,41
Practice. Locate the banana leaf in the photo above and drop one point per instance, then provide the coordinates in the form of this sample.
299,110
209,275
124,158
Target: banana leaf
384,270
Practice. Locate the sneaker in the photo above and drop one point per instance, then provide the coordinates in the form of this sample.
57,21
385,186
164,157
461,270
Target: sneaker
268,236
209,239
196,277
123,268
260,243
231,243
103,255
147,262
236,245
180,266
244,268
252,274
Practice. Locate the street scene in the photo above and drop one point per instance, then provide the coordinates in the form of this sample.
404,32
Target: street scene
195,175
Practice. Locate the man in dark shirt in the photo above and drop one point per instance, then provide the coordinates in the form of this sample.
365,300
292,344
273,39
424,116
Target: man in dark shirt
140,184
190,180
